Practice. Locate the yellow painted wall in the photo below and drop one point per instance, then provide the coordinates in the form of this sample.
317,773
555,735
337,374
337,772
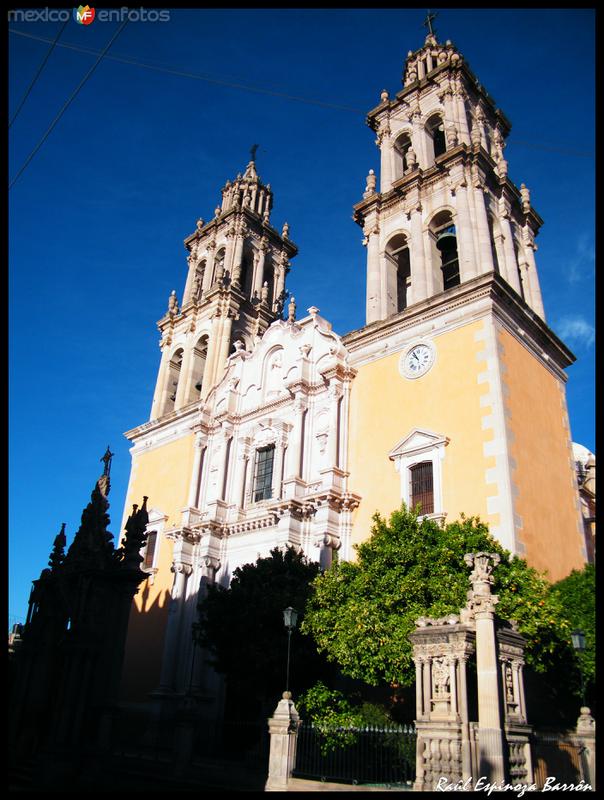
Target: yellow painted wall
385,407
163,475
544,475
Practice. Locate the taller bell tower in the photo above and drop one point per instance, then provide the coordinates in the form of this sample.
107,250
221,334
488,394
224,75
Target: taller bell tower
446,210
235,288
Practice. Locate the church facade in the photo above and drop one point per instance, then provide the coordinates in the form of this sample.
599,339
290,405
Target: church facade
268,428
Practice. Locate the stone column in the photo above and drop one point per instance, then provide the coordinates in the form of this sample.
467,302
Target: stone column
278,467
466,755
586,737
485,262
373,305
283,729
207,275
169,662
241,457
208,567
195,475
465,239
460,113
259,272
335,392
533,277
236,269
419,282
223,353
386,172
511,265
158,397
292,486
185,367
490,724
213,349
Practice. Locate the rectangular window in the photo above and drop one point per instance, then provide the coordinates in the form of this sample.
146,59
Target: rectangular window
150,550
422,487
263,479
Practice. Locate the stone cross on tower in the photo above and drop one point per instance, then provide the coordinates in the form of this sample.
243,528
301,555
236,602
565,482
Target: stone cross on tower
428,22
253,150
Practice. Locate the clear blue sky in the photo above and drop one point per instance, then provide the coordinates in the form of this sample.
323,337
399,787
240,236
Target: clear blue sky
98,218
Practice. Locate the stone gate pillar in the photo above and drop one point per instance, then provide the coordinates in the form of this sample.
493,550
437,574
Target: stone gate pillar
441,648
492,759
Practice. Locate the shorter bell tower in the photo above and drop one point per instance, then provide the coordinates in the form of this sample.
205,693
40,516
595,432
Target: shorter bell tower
446,211
235,288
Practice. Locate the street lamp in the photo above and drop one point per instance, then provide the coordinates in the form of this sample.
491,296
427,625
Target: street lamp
578,639
290,617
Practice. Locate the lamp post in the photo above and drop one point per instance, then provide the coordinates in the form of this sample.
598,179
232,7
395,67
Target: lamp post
290,617
578,639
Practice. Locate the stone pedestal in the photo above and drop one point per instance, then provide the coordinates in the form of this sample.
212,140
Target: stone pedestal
283,730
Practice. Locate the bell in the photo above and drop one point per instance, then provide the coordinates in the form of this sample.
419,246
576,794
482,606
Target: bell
446,241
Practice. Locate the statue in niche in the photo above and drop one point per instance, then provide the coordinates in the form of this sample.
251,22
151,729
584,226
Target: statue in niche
509,683
441,678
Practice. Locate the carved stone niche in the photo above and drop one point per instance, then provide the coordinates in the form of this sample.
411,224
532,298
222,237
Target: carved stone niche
441,649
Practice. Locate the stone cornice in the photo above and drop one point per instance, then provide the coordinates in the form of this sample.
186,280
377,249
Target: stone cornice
505,304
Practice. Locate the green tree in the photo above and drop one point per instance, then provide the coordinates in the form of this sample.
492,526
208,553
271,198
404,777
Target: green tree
361,613
242,626
577,594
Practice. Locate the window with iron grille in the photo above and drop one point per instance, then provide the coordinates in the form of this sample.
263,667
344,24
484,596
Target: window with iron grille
422,487
150,550
263,478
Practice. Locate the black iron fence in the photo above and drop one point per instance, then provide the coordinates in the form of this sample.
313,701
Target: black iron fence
369,755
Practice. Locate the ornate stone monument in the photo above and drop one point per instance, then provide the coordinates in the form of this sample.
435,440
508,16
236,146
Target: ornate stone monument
447,746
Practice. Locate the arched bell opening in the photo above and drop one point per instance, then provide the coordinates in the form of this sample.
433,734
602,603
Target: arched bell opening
445,256
436,133
173,378
399,271
199,357
402,162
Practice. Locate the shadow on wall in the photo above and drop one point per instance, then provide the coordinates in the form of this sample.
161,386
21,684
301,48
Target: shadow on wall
144,649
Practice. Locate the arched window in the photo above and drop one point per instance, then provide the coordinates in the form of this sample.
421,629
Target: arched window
399,279
436,131
401,148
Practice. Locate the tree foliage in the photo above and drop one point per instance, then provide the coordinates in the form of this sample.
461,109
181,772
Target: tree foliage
577,594
242,627
361,613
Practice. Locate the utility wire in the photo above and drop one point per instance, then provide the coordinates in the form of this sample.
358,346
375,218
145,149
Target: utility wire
261,90
37,75
198,76
68,102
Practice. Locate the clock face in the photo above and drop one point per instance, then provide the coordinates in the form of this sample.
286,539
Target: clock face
418,360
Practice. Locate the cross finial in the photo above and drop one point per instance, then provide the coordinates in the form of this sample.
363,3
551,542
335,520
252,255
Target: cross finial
107,459
428,22
253,151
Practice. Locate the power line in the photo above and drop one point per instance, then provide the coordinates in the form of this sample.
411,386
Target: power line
198,76
261,90
37,75
68,102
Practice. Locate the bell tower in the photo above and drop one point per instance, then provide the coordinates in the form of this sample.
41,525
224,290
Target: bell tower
235,288
446,211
